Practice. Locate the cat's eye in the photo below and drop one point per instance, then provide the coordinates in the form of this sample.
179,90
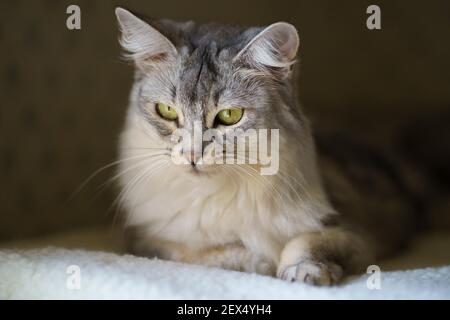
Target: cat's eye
166,112
229,117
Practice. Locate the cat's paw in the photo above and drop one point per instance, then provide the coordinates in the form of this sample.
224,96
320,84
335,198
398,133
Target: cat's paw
311,272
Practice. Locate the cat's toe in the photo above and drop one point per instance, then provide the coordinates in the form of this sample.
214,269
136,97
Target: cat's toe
312,272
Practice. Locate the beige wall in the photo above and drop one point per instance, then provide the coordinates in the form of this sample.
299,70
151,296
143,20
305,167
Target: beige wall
63,93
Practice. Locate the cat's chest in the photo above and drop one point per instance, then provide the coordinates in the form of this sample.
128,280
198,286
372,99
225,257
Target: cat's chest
204,215
207,214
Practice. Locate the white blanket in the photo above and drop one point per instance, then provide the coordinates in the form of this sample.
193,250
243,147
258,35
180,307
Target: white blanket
52,273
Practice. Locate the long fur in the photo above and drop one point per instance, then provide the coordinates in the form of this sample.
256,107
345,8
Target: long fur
228,215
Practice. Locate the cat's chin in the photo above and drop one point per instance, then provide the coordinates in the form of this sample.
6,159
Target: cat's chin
200,171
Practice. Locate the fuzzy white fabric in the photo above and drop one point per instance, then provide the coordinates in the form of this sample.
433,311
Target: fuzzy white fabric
42,274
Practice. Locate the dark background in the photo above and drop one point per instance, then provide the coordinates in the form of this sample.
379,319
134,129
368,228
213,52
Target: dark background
63,93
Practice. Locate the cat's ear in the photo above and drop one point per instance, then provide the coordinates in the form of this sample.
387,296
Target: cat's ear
274,49
145,45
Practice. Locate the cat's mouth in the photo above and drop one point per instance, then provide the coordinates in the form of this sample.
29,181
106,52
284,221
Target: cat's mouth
194,169
200,169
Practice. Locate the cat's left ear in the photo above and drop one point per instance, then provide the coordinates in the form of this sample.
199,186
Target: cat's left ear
142,42
273,49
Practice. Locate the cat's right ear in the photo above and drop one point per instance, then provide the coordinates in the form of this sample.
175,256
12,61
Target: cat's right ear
142,43
274,49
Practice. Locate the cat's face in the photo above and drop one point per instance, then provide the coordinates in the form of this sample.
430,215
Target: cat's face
193,78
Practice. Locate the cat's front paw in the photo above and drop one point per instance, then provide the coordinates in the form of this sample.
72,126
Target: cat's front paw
311,272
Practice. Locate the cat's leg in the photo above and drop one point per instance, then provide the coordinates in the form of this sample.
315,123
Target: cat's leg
323,258
231,256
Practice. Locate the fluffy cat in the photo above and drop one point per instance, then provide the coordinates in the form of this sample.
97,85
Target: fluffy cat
314,221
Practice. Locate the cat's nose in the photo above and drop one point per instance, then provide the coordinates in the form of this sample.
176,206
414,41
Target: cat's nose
193,157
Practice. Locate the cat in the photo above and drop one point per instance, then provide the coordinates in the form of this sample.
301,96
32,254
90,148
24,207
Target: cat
315,221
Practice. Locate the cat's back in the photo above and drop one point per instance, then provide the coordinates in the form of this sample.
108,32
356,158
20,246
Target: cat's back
368,188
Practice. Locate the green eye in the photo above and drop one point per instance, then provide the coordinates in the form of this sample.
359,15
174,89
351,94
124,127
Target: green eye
166,112
229,117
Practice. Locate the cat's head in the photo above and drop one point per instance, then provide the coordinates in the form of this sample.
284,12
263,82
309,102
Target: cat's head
209,76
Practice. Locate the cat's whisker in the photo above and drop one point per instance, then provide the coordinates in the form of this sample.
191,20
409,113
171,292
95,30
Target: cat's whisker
119,199
251,174
145,177
108,182
273,186
126,190
260,183
146,174
280,175
98,171
299,174
280,197
235,183
120,173
244,157
142,163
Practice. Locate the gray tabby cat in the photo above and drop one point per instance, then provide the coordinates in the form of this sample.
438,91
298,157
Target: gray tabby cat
308,223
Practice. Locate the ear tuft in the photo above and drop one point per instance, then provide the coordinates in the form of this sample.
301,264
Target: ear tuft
274,47
142,43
